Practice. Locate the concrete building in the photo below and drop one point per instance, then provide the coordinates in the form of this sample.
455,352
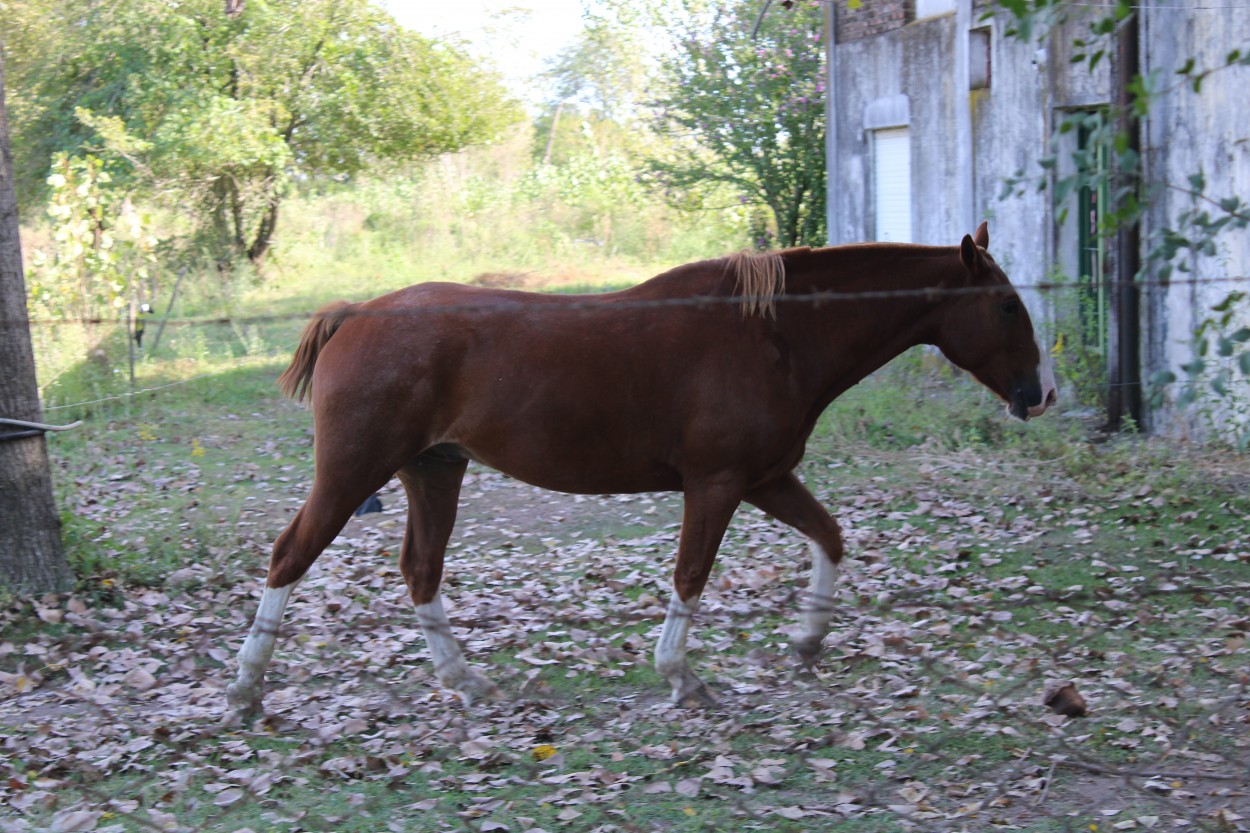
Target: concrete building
940,117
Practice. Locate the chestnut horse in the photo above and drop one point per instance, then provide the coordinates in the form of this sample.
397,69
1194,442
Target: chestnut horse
707,380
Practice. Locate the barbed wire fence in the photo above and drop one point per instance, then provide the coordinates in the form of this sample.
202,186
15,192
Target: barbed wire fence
1165,745
590,303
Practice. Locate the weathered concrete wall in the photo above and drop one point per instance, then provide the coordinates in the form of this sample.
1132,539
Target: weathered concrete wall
1033,86
1188,133
1010,125
912,61
1073,86
1009,130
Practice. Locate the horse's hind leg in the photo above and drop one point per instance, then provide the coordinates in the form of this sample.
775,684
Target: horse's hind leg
789,501
312,529
432,482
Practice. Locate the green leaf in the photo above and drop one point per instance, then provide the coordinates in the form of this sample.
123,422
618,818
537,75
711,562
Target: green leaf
1241,336
1064,189
1243,362
1229,301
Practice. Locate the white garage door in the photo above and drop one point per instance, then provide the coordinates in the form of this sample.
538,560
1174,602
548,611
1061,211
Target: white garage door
891,184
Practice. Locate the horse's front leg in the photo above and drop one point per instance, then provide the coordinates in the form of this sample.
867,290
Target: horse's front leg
705,518
789,501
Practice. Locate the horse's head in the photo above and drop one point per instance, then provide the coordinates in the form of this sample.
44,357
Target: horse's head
989,333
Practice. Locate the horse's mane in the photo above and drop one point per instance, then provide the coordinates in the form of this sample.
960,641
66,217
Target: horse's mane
759,277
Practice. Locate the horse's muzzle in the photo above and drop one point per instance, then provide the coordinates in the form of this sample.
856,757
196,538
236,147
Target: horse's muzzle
1032,399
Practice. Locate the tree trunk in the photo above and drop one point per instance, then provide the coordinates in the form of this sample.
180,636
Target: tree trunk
31,558
264,234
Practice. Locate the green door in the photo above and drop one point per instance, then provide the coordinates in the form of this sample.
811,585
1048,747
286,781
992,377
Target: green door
1092,257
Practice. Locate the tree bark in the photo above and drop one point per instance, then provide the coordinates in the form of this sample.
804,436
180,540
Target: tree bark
31,558
264,233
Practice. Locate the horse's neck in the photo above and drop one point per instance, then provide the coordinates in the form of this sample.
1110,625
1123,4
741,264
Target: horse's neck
851,338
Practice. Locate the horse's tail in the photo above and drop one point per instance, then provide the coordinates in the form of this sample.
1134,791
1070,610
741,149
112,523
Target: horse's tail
297,378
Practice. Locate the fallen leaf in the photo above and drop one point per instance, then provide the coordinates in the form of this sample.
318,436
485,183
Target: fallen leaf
1065,700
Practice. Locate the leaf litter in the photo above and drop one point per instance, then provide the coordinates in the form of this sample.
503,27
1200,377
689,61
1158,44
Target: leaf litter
964,601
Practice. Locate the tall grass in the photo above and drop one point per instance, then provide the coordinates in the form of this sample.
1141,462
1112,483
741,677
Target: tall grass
489,214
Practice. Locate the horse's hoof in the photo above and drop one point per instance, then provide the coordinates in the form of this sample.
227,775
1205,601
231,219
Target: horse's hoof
698,696
477,687
807,650
242,701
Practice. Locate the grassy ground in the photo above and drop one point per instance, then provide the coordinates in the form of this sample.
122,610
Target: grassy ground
990,562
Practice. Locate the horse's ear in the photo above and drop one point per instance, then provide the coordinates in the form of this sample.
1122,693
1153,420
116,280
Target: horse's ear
970,254
982,235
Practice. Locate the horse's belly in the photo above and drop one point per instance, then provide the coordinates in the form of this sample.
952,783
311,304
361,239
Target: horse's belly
576,467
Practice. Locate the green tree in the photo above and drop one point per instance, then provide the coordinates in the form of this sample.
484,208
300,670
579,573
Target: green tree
220,113
749,112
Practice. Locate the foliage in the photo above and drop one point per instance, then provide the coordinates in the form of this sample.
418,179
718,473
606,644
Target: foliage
488,214
570,133
749,113
492,213
220,114
1081,365
101,250
603,69
1217,371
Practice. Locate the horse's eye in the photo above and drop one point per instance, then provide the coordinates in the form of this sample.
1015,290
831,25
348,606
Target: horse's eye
1010,308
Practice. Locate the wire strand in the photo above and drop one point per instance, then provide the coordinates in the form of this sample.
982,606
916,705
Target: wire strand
595,302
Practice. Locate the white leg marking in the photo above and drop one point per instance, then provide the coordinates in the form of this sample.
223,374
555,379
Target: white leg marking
670,651
449,665
670,654
449,662
257,650
817,604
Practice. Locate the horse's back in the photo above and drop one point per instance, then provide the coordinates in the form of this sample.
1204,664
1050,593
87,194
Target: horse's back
592,393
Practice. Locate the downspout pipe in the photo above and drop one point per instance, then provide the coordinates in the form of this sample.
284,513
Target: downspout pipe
1124,397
